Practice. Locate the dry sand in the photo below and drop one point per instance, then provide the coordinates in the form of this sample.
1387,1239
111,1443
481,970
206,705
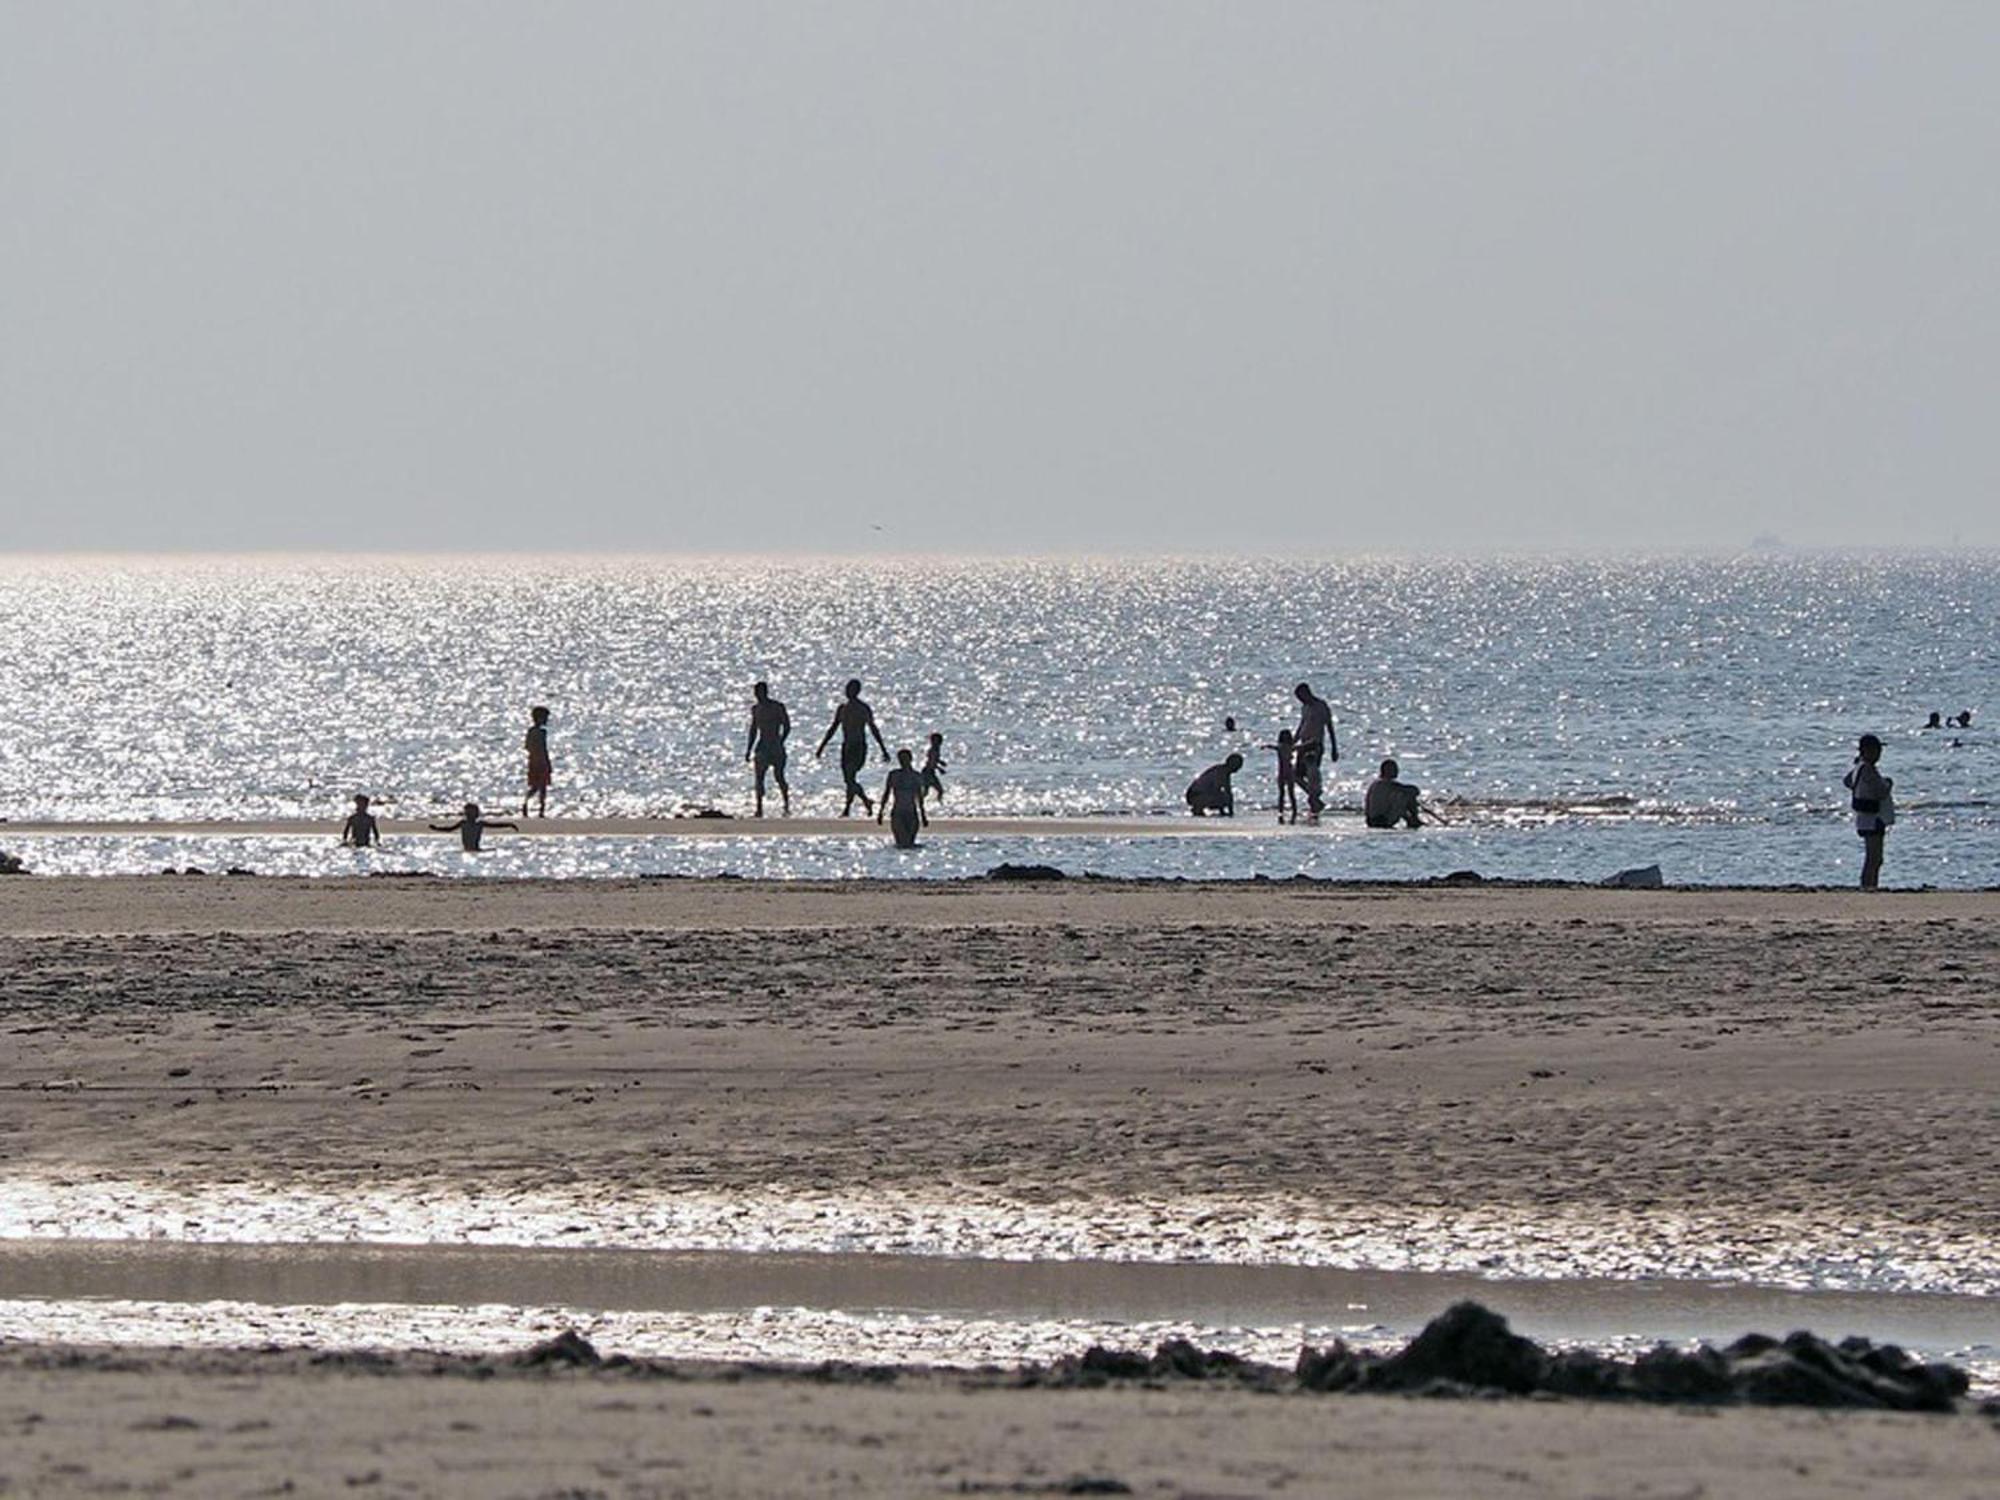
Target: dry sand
267,1425
1645,1081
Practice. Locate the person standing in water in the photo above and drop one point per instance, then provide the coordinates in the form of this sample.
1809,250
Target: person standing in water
770,727
1314,742
855,721
903,802
470,827
1288,774
1874,807
361,829
540,769
934,766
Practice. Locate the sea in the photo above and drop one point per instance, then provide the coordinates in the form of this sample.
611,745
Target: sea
1568,717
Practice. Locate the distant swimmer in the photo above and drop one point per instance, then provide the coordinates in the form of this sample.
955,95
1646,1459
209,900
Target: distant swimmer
770,727
1315,743
1288,774
541,771
1210,792
1937,721
470,827
934,766
360,829
1964,720
1390,801
903,801
854,720
1874,806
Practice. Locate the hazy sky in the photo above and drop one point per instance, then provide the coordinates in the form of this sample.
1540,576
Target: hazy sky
1010,276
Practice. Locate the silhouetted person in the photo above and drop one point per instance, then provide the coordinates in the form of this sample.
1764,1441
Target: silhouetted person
770,727
855,721
934,766
541,771
1936,721
360,829
1390,801
1210,792
1315,743
470,827
1965,719
1288,774
903,801
1874,807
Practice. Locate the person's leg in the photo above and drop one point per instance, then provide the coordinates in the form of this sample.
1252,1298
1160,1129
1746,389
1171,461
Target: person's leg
760,789
784,787
1871,860
904,826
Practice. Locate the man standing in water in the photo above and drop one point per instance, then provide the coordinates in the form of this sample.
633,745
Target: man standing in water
1314,742
770,727
856,721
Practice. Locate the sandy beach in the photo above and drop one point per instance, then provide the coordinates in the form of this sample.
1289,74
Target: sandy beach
1546,1082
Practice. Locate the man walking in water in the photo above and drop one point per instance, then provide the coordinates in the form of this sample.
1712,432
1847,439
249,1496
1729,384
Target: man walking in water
770,727
1314,741
856,721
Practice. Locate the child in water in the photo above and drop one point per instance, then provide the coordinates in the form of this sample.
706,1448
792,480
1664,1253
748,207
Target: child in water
360,829
934,766
903,802
469,827
540,771
1288,776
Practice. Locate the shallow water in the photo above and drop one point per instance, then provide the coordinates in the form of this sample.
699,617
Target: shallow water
1591,714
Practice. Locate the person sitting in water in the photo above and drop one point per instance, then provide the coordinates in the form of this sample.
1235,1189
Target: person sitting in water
360,829
1389,801
469,827
1210,792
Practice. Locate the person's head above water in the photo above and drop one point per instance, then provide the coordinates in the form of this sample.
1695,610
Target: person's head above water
1303,692
760,690
1936,721
853,689
1235,761
1869,749
1390,770
903,759
471,812
539,714
937,737
1229,723
361,801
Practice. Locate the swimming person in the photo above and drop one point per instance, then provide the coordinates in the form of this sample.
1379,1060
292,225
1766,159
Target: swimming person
855,721
1288,774
1315,741
360,829
1210,792
1389,801
1936,721
770,727
540,770
934,765
469,827
1874,806
903,802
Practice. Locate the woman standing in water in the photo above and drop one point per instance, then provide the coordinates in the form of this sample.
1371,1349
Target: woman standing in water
1874,807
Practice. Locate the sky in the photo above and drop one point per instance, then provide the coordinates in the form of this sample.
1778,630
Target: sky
1013,277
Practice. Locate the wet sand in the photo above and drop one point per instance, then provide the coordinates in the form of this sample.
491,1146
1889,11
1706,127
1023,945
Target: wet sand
1529,1082
1773,1085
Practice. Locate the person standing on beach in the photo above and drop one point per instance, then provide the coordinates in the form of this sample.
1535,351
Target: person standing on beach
855,721
1314,742
770,727
1874,807
903,801
541,771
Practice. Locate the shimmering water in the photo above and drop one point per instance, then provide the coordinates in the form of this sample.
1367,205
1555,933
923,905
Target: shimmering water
1579,715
